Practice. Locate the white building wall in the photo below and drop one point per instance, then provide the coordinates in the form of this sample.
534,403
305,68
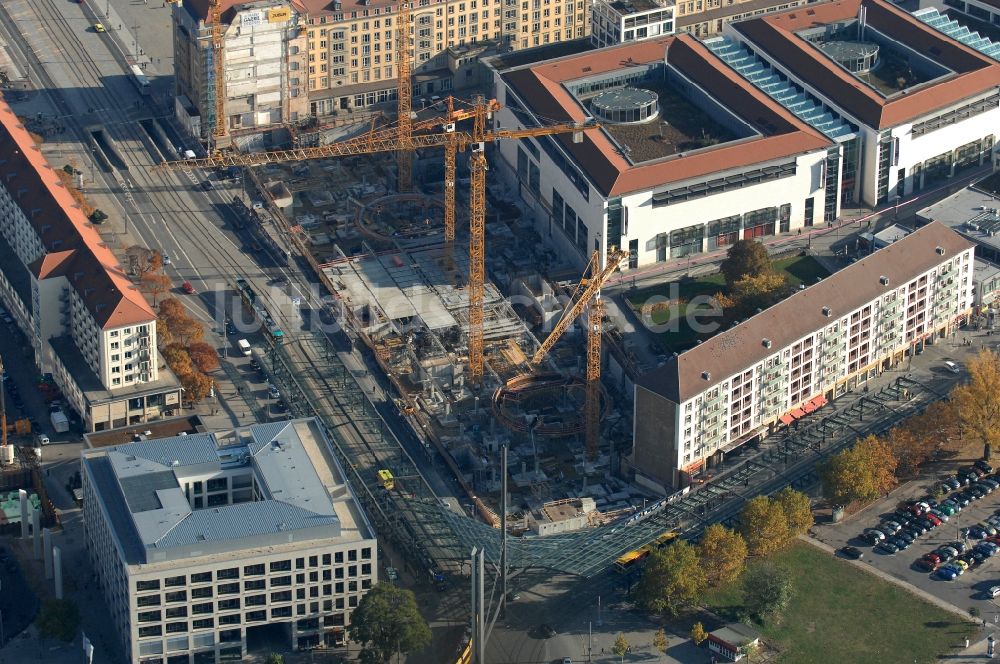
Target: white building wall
699,418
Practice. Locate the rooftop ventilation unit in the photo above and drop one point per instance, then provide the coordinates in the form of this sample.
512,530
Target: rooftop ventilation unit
939,250
707,375
883,280
767,343
827,312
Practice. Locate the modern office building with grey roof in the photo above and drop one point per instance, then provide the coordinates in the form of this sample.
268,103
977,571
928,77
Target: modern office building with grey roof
202,542
746,382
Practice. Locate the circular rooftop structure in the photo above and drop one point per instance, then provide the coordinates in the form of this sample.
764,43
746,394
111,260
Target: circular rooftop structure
626,105
856,57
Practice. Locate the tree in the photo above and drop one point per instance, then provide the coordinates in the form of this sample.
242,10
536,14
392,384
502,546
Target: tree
163,335
723,554
758,291
171,308
764,526
859,474
387,621
196,386
186,330
98,216
621,646
59,619
750,650
797,509
178,360
154,284
673,579
275,658
145,260
745,257
660,641
977,402
767,589
698,633
910,447
203,356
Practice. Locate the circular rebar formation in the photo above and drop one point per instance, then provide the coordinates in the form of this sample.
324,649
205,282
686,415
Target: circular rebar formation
528,396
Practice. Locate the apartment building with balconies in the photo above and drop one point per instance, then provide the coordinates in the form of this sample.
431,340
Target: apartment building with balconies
823,341
204,542
88,324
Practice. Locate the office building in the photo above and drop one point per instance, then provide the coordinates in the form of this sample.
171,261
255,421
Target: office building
87,322
689,156
924,104
203,542
622,21
743,383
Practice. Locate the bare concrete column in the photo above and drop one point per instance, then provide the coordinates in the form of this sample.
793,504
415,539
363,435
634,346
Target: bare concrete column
25,514
57,564
47,550
36,533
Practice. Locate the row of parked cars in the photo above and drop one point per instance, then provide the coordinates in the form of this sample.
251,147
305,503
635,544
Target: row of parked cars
912,519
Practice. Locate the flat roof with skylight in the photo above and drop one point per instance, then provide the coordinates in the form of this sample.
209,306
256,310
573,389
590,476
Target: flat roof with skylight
273,484
669,110
876,62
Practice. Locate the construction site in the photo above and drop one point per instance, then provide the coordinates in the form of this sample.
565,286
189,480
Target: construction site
493,343
404,289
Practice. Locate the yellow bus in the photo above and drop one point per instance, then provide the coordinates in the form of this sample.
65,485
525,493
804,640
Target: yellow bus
629,561
387,480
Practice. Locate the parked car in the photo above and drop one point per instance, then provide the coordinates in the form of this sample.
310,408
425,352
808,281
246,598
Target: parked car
926,564
930,516
959,546
892,527
990,530
975,532
887,547
983,466
852,552
953,482
993,592
927,523
874,532
188,288
900,543
946,573
906,535
946,509
990,482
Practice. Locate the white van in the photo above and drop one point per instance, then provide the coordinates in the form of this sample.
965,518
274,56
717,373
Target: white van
244,346
952,367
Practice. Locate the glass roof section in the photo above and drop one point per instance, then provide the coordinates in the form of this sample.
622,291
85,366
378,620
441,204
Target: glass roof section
806,107
952,28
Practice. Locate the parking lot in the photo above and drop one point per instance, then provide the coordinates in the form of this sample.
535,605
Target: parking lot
969,590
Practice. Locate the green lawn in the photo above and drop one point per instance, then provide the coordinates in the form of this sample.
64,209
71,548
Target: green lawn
797,269
839,614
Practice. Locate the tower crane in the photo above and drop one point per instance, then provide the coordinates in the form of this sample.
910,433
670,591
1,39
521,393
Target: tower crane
587,291
388,141
404,99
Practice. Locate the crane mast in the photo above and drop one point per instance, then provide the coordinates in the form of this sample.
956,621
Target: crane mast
220,131
477,241
404,99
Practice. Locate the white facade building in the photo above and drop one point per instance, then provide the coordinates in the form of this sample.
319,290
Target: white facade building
747,381
266,68
929,107
199,541
628,185
88,324
619,21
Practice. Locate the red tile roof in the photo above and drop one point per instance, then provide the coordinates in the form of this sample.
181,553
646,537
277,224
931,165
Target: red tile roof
540,88
74,248
741,347
775,35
